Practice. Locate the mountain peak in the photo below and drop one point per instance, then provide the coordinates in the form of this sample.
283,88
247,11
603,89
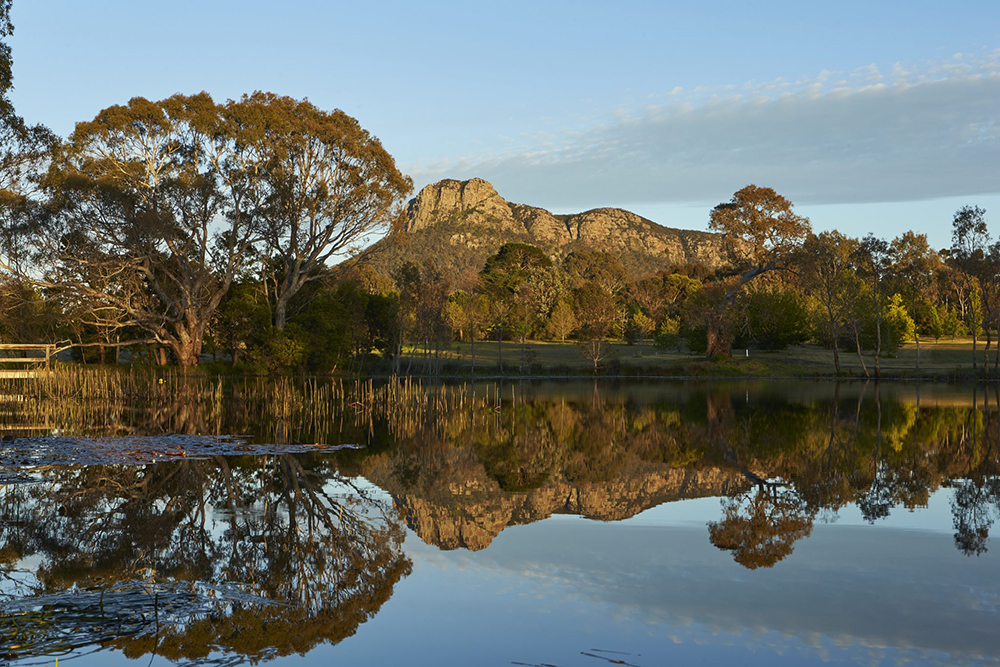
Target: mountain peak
447,199
459,224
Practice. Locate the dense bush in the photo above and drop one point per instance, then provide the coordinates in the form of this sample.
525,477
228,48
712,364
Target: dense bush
772,318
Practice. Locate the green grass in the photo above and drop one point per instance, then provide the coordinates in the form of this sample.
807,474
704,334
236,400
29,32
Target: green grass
944,359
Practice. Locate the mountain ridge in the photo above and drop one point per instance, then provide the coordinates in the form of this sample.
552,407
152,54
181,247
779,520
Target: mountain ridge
459,224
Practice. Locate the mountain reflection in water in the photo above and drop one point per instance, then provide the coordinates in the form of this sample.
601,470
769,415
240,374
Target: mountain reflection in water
245,557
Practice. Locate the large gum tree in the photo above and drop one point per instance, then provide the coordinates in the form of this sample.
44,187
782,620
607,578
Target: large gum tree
326,186
762,234
151,217
156,207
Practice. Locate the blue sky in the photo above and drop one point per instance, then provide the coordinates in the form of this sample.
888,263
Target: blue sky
868,115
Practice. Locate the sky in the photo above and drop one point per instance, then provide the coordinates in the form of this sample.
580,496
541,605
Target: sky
869,116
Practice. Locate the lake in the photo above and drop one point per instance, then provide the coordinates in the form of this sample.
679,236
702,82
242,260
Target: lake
577,523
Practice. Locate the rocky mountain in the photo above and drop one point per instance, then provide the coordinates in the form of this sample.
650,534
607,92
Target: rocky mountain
475,514
459,224
454,502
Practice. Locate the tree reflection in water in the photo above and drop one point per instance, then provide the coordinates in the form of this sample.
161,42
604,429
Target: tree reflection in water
247,557
761,526
460,463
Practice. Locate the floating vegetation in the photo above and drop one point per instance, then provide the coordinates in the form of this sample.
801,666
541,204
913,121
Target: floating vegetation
57,450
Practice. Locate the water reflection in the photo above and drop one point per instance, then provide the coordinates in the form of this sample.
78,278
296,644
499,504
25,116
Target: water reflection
259,556
778,461
251,556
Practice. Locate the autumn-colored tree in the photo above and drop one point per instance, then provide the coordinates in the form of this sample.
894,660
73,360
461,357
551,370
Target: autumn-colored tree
762,526
762,233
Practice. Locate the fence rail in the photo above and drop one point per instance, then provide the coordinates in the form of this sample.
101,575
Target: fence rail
20,366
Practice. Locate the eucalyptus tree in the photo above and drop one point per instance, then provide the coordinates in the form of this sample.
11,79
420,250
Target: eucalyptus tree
150,219
521,287
828,273
23,151
762,234
915,269
326,186
873,260
597,313
970,240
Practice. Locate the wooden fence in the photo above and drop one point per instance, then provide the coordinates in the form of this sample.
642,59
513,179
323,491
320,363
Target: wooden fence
25,360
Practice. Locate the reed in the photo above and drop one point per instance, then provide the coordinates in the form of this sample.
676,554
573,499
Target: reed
105,402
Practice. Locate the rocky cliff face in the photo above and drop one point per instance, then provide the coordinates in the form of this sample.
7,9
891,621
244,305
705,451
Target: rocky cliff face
459,224
469,510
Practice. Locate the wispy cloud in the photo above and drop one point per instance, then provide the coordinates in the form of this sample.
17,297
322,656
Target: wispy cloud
920,131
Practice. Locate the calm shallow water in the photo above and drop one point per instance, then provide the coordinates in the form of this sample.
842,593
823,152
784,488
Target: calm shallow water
539,524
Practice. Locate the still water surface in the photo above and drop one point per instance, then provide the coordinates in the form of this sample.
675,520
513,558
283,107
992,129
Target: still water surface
529,524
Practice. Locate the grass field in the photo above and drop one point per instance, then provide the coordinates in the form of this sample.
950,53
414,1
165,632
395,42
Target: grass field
947,358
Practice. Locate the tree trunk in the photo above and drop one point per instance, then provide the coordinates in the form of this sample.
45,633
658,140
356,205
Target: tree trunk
878,340
280,313
996,356
520,364
861,358
833,337
718,343
186,352
986,352
974,348
500,349
916,337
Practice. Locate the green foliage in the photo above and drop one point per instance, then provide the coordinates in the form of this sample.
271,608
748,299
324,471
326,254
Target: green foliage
511,266
951,323
562,322
695,337
667,335
637,327
602,268
897,327
243,319
935,323
339,327
772,318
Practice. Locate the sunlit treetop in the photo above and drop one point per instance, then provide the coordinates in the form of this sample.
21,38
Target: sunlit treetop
760,225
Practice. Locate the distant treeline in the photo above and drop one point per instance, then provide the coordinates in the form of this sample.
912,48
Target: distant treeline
186,226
